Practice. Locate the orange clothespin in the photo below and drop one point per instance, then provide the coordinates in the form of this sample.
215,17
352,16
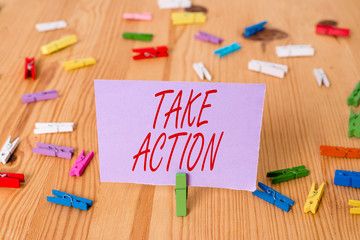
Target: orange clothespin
340,152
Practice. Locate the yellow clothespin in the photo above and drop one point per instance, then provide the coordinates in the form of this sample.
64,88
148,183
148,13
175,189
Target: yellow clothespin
356,205
179,18
74,64
313,199
58,44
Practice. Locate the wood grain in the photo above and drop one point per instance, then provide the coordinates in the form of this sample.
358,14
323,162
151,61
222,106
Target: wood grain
298,118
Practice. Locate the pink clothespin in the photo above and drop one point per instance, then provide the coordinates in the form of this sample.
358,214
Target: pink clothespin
81,163
138,16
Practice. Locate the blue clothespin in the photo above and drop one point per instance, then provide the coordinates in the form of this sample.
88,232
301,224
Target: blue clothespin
228,49
274,197
251,30
69,200
347,178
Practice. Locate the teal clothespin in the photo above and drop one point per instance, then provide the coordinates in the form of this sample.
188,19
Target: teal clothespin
287,174
227,49
354,97
181,194
138,36
354,125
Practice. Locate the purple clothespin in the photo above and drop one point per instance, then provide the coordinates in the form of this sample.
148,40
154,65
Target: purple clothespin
81,163
53,150
39,96
208,37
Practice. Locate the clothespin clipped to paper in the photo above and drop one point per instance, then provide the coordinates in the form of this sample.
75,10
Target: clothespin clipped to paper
53,150
81,163
208,37
79,63
8,149
227,49
137,16
332,31
287,174
314,198
58,44
11,180
272,69
347,178
167,4
138,36
181,194
354,124
340,152
356,205
251,30
295,51
39,96
354,98
201,71
270,195
41,128
49,26
179,18
321,77
30,68
152,52
69,200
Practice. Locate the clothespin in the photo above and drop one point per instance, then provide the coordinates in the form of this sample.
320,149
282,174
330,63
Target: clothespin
69,200
11,180
340,152
227,49
53,150
356,205
41,128
137,16
314,198
347,178
48,26
273,69
8,149
321,77
295,51
79,63
354,124
39,96
332,31
251,30
58,44
354,98
138,36
166,4
179,18
181,194
152,52
30,68
287,174
208,37
201,71
81,163
274,197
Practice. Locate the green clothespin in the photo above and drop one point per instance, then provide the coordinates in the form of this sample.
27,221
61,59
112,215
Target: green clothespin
288,174
181,194
138,36
354,125
354,97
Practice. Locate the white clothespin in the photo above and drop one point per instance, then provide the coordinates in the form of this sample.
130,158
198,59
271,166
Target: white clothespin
53,127
165,4
295,51
44,27
202,71
8,149
321,77
273,69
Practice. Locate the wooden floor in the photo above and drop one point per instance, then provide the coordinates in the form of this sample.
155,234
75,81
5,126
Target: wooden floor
298,117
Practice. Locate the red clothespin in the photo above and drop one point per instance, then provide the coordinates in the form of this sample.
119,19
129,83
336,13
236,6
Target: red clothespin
332,31
153,52
340,152
30,68
11,180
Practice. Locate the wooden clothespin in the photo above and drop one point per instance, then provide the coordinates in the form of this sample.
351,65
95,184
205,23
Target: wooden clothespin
269,68
356,205
340,152
8,149
30,68
81,162
53,150
39,96
251,30
354,124
295,51
321,77
201,71
314,198
11,180
208,37
227,49
50,127
288,174
138,16
179,18
49,26
138,36
354,98
152,52
79,63
332,31
347,178
58,44
181,194
69,200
